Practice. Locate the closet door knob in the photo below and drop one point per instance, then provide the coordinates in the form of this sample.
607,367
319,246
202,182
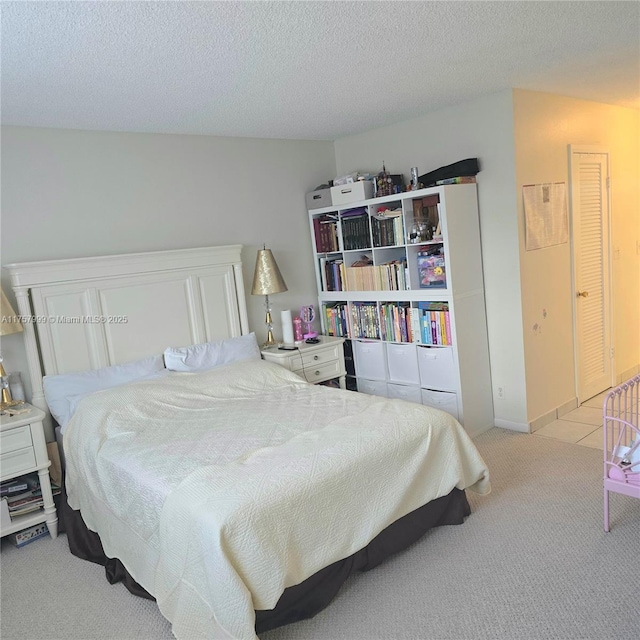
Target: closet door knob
315,357
583,294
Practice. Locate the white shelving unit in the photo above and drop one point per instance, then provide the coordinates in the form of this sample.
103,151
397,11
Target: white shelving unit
387,307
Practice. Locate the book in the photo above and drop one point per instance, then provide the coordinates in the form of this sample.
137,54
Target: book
15,486
21,538
458,180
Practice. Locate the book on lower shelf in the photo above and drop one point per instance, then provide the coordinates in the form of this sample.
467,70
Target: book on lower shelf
435,323
335,319
24,537
30,500
12,487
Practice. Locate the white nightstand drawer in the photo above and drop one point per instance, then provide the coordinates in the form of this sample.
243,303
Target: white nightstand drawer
17,461
15,439
320,356
317,373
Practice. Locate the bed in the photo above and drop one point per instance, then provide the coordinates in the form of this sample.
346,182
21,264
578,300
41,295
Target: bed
240,497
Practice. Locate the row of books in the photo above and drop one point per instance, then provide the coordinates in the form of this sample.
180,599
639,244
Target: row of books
355,229
428,323
391,276
395,322
325,229
365,322
332,273
30,498
387,230
336,320
435,324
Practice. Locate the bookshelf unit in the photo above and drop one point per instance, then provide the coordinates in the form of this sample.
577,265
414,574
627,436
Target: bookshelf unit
400,277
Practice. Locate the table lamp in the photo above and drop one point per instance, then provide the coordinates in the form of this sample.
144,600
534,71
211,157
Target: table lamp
9,324
267,280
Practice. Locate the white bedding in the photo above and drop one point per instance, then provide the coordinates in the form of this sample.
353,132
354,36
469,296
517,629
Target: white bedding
218,490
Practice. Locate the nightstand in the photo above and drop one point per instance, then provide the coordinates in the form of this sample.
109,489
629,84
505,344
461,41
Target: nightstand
22,450
313,362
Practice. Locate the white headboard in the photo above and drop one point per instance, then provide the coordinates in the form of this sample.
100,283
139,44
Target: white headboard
94,312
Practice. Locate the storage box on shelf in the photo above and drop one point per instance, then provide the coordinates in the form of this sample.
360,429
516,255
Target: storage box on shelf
319,198
352,192
401,278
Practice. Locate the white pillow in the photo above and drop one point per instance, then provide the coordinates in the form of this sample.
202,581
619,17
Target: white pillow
75,400
58,390
208,355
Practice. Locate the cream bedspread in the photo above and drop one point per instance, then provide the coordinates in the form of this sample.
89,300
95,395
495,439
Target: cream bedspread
218,490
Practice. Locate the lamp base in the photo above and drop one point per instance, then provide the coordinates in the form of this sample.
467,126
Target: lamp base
270,342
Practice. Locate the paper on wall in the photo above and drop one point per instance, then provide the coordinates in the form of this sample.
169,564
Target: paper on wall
545,212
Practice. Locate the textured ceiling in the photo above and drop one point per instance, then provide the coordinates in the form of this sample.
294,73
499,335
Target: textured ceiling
302,70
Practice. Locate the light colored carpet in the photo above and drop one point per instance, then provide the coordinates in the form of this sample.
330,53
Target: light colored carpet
531,562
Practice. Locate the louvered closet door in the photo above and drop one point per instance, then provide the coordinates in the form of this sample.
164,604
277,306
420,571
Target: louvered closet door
591,273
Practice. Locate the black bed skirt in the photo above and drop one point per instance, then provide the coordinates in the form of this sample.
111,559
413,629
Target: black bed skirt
315,593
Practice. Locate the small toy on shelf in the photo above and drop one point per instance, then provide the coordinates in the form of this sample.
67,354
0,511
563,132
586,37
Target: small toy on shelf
308,315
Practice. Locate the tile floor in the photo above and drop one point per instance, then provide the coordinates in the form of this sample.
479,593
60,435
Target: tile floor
581,426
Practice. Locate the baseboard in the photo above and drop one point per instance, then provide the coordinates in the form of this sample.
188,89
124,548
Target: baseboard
626,375
553,415
512,426
566,407
543,420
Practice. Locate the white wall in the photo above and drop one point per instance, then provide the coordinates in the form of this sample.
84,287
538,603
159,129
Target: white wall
79,193
482,128
544,125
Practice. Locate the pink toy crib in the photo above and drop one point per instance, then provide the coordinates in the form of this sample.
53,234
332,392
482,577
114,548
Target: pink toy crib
621,442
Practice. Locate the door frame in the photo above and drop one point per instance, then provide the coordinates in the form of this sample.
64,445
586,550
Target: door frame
595,149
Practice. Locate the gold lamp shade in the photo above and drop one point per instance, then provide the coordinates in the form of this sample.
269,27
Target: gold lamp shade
9,323
267,278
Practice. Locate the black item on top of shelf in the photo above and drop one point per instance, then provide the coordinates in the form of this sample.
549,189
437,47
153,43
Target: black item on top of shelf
468,167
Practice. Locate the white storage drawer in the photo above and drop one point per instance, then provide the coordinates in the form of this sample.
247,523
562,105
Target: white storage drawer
352,192
319,198
402,363
14,439
370,359
437,369
19,461
372,387
442,400
404,392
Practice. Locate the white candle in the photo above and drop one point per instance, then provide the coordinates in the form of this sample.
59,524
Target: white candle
287,326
